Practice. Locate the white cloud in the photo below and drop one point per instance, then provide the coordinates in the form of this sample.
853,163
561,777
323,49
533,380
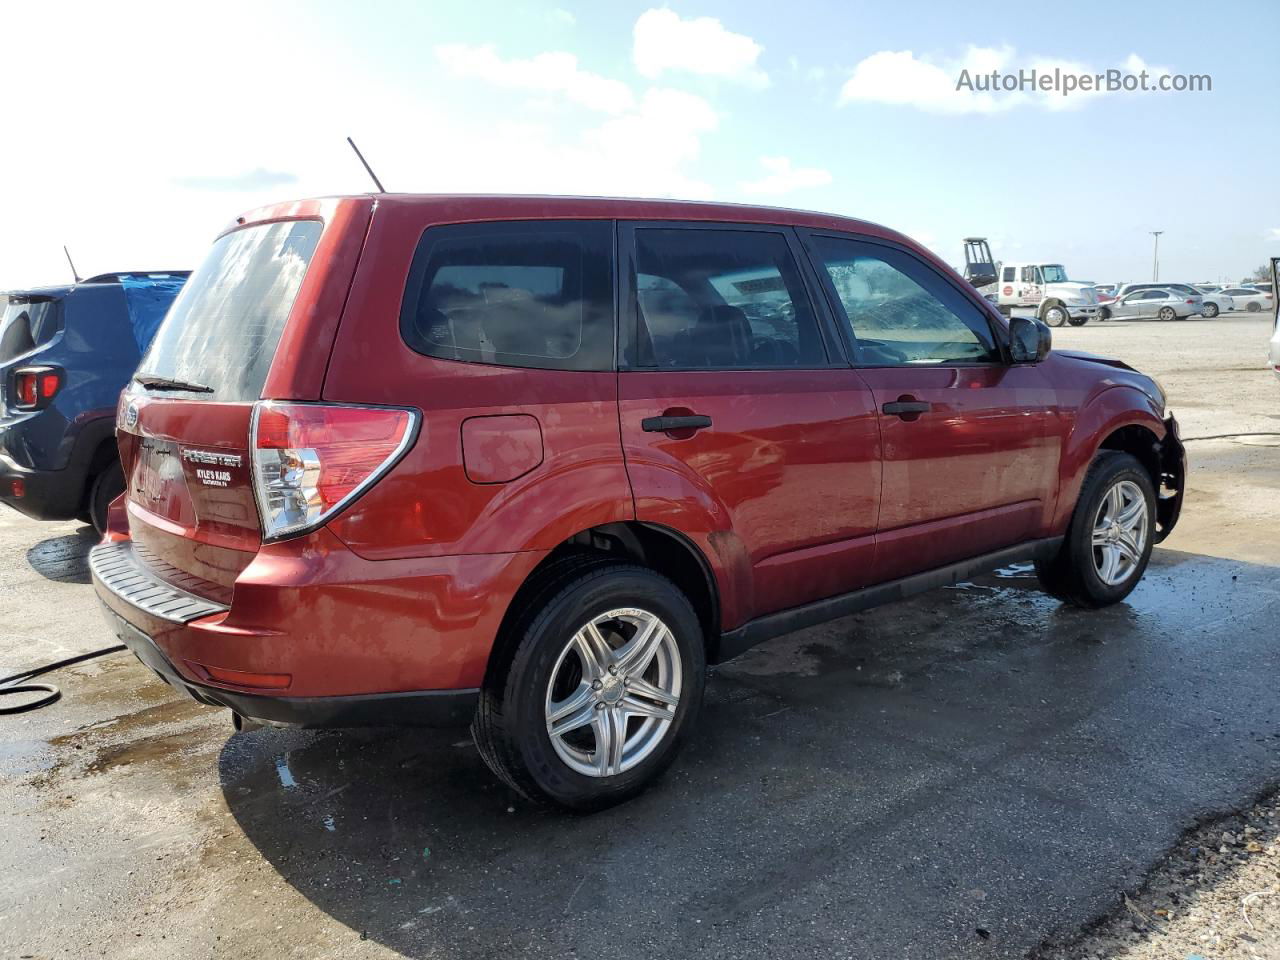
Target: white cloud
782,177
663,41
899,77
552,72
644,149
1273,233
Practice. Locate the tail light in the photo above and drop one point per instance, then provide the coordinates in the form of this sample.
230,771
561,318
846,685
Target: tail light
1189,300
311,460
34,387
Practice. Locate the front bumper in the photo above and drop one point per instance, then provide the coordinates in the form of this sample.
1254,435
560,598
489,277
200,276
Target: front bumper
1173,479
1089,310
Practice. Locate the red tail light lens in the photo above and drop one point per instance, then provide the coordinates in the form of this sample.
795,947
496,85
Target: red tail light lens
311,460
34,388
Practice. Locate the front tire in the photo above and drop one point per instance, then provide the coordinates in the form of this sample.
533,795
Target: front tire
601,683
1109,541
1055,315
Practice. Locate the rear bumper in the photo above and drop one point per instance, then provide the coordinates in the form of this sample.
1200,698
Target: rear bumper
316,635
53,459
46,494
431,708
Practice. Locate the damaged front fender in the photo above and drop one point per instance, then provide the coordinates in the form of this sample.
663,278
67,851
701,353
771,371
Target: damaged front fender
1173,475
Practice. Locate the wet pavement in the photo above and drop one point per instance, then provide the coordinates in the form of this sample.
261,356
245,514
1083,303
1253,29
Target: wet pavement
962,775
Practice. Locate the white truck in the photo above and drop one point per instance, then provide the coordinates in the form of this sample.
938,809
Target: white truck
1028,288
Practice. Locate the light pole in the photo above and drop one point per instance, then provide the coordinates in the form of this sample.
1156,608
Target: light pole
1155,256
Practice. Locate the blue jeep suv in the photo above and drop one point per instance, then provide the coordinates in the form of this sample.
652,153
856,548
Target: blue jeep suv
66,352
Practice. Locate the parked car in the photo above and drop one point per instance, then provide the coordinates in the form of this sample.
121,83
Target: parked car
1214,303
530,464
1208,287
1139,300
1250,299
1265,286
66,352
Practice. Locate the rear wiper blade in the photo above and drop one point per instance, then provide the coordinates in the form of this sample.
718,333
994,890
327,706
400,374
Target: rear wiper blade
152,382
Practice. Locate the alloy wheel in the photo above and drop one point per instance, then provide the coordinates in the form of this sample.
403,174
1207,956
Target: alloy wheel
613,692
1120,531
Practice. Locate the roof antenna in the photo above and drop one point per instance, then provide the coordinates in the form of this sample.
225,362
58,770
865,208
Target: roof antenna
73,266
373,176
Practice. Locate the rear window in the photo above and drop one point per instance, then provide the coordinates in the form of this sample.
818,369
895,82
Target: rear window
223,329
533,293
27,323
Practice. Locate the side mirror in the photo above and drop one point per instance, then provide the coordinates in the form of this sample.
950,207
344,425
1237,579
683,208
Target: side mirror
1029,340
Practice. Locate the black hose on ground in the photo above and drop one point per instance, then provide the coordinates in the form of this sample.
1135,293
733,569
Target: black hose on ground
51,693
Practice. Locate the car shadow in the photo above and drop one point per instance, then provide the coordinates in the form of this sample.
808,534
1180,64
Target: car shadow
970,771
65,558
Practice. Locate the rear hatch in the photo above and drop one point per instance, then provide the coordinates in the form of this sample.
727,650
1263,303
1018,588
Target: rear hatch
184,421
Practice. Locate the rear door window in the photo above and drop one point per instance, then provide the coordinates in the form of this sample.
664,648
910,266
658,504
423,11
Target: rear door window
535,293
722,299
223,329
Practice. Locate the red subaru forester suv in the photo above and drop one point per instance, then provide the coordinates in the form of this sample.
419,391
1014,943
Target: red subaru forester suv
532,463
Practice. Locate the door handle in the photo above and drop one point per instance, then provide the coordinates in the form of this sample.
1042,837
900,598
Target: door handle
907,408
668,424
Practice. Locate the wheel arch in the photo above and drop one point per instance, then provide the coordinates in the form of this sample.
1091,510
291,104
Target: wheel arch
661,548
1122,418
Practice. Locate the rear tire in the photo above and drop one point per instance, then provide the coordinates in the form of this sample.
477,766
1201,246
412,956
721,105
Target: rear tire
1114,519
1077,321
1210,310
553,672
1167,313
1253,307
107,485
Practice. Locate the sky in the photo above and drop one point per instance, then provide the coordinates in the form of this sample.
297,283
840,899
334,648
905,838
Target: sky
134,132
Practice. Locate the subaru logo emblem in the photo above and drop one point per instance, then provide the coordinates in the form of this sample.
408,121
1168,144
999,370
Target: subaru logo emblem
131,416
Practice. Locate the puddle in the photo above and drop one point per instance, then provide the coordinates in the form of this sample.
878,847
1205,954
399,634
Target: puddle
285,774
1017,571
25,757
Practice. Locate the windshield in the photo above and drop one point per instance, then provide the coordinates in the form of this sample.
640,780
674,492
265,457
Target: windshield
26,323
224,328
1054,273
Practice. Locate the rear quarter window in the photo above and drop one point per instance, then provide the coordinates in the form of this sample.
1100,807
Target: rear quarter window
535,293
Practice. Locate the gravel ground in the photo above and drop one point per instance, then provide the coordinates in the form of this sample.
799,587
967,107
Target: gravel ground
1216,896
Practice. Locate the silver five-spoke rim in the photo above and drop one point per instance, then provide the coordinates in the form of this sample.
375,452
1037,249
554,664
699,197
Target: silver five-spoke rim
1120,533
613,693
